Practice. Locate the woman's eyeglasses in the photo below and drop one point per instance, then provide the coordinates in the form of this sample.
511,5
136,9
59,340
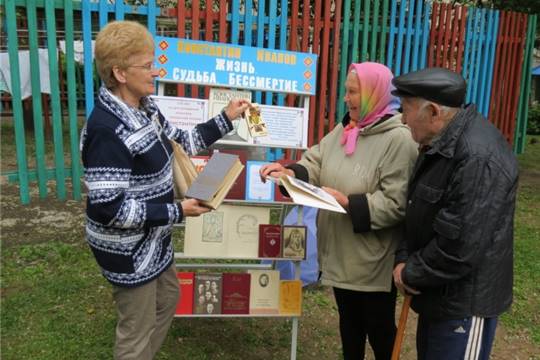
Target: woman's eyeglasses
147,67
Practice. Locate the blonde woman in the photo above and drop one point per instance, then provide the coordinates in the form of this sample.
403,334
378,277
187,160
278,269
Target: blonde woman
130,206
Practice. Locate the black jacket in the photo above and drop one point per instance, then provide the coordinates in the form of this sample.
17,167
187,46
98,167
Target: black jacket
459,222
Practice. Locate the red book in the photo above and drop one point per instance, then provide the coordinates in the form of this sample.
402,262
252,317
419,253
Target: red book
235,295
185,303
238,190
269,241
278,196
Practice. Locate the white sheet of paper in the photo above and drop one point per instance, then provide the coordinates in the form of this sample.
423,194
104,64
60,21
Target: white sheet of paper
287,126
184,113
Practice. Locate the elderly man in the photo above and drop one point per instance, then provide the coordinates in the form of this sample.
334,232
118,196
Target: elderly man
456,255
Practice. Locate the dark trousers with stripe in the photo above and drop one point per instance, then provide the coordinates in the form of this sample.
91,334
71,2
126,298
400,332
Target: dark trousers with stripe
368,315
468,339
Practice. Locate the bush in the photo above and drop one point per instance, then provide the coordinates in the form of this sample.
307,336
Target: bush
533,123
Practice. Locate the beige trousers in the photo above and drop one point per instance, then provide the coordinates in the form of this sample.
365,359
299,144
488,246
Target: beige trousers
145,314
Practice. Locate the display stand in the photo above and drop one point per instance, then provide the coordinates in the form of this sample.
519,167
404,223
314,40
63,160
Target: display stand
217,65
179,256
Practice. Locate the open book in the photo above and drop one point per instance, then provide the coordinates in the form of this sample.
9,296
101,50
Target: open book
214,182
304,193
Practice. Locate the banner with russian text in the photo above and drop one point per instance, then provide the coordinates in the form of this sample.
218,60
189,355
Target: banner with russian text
235,66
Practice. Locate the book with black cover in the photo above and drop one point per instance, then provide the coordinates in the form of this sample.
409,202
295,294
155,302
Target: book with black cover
216,179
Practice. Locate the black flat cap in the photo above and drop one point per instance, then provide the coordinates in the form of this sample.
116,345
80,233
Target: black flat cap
439,85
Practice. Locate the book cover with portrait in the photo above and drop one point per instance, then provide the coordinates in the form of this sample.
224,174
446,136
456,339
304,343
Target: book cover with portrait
255,122
264,292
207,294
293,240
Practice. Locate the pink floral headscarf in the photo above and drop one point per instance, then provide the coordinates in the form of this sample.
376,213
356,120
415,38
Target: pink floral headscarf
376,100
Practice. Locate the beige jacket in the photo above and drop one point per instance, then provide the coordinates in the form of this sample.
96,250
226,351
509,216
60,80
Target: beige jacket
356,250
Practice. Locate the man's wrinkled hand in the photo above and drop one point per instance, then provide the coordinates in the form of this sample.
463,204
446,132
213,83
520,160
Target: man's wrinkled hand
398,281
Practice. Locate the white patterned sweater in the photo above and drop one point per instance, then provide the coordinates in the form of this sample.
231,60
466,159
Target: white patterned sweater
130,207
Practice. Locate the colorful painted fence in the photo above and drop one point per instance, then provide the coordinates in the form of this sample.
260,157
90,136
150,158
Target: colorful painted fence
66,167
492,50
507,72
525,88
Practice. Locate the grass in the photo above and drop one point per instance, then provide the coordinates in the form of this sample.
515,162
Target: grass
7,156
524,314
56,305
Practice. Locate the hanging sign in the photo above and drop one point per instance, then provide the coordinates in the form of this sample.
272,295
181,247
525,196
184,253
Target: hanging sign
235,66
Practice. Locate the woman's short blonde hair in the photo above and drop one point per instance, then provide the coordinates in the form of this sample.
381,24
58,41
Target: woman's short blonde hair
116,43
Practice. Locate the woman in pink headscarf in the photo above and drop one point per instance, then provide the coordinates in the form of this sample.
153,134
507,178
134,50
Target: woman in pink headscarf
365,163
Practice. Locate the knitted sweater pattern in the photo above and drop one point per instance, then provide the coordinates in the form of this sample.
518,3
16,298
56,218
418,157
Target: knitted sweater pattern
127,171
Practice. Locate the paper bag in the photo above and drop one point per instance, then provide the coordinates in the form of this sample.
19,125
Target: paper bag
183,170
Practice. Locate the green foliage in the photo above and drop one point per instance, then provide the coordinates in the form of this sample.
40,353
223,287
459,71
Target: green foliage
526,6
533,121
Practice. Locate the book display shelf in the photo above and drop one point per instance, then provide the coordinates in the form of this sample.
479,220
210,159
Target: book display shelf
242,265
222,263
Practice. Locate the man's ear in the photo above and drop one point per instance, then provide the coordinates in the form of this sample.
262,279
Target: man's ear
119,74
434,110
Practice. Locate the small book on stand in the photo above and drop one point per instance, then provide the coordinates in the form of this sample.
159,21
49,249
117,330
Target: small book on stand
255,122
256,189
264,292
185,302
290,297
269,241
207,294
235,298
293,241
214,182
304,193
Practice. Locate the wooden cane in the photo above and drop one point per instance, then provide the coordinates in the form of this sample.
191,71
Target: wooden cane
401,327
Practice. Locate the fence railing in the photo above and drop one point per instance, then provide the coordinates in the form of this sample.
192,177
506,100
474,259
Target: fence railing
492,49
525,88
507,72
65,168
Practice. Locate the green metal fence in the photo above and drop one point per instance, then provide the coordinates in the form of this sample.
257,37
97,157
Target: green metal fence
525,88
65,168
